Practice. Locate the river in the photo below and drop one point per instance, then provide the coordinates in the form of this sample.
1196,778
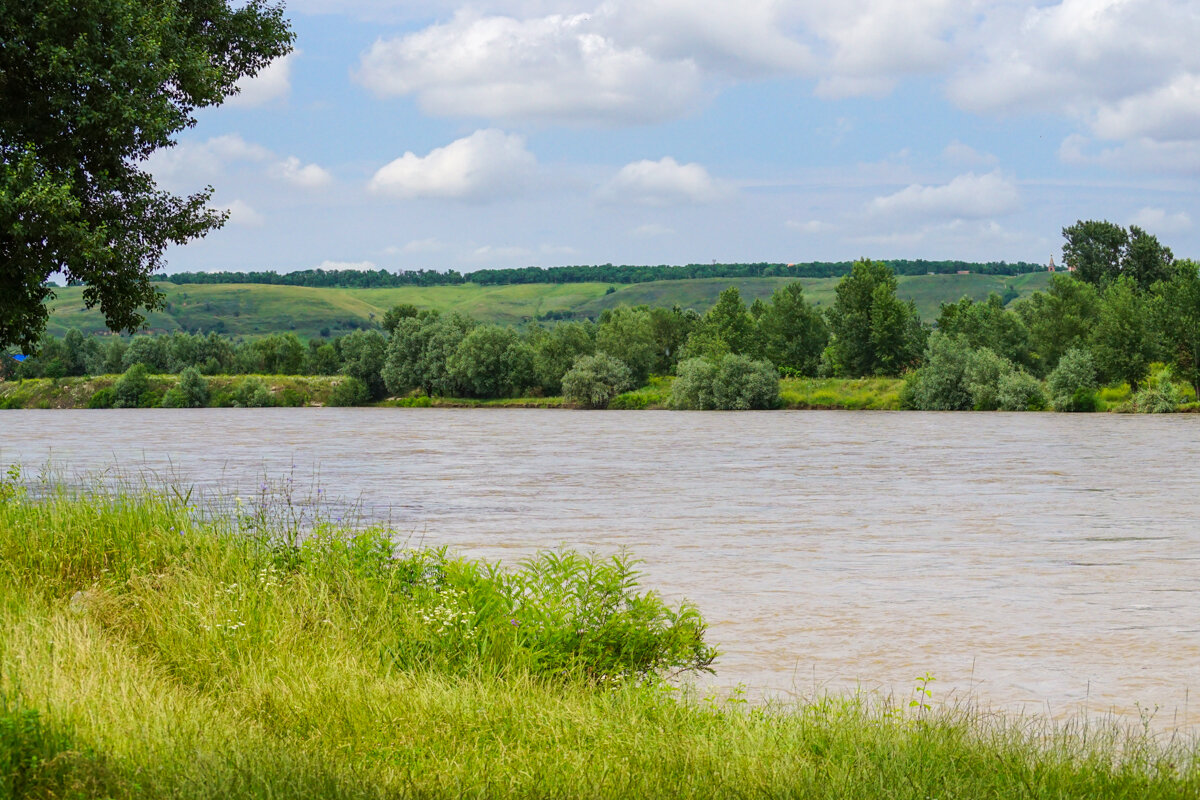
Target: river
1042,562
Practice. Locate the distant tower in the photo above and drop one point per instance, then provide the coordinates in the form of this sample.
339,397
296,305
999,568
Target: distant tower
1050,266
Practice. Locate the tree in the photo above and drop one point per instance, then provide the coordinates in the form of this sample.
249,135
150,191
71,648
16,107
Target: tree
1095,250
792,331
363,356
419,352
872,331
733,382
1058,319
628,334
595,380
1122,342
1146,261
88,91
987,324
492,361
1177,317
1072,385
556,350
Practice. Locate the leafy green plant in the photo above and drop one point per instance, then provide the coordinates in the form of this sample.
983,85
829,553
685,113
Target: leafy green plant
1072,385
595,380
251,392
733,382
132,389
349,392
1020,391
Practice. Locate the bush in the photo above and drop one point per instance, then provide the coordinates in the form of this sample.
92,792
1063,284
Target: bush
941,385
132,389
292,398
190,392
1020,391
13,402
1072,385
251,393
595,380
350,392
733,383
985,370
1160,396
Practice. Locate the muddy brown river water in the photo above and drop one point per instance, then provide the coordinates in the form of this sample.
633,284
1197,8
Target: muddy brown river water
1044,562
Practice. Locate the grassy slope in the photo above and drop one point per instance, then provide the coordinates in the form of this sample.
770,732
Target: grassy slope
144,654
243,309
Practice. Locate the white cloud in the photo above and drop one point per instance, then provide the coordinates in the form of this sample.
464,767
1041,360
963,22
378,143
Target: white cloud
1157,220
1126,68
273,82
483,166
555,67
202,160
651,230
1168,113
1171,158
811,226
358,265
242,215
968,196
308,176
662,183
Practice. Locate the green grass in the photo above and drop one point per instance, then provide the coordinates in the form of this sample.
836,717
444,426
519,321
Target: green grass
77,392
148,653
841,393
259,309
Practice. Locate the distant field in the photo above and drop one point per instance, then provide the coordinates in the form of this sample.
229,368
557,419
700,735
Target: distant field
258,309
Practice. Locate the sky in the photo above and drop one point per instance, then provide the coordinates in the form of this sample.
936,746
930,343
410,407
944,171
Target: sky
508,133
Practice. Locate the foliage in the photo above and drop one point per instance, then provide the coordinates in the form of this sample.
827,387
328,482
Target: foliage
1058,319
595,380
987,324
727,327
89,92
556,350
419,352
350,391
792,332
871,331
627,334
1072,385
1122,341
492,361
251,392
1102,252
363,357
941,384
1160,395
1020,391
190,392
132,389
734,382
1176,313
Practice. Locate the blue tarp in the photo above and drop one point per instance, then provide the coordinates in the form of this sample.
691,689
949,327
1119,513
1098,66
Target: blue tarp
19,358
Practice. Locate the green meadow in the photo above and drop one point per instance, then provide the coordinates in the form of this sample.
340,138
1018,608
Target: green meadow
259,309
150,651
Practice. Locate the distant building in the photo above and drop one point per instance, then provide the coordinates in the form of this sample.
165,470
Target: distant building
1050,266
964,272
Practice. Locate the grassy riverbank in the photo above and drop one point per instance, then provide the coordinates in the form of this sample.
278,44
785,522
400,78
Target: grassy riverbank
146,653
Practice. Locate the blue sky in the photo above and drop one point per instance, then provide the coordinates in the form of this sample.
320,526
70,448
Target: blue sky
503,133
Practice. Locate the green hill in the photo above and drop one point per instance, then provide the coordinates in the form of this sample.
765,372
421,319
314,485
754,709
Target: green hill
256,309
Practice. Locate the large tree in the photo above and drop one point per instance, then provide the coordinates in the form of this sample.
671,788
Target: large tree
89,89
872,331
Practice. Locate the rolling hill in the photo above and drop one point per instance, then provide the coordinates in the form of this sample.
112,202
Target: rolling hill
259,309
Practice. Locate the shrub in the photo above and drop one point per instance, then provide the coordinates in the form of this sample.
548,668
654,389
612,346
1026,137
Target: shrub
133,387
732,383
1160,395
1020,391
1072,385
292,398
251,393
985,370
941,385
190,392
350,392
14,402
595,380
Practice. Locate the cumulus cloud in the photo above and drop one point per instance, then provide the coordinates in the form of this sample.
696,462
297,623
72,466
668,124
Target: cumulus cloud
243,215
1126,69
308,176
202,160
1157,220
273,82
554,67
665,182
968,196
483,166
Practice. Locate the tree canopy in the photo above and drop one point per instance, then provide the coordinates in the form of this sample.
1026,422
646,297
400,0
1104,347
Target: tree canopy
89,89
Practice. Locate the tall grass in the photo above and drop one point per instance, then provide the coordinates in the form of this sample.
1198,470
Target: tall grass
148,652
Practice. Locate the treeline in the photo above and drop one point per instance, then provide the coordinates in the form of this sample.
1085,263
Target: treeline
604,273
1125,307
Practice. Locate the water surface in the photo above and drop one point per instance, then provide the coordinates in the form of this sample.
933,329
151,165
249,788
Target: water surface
1044,561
